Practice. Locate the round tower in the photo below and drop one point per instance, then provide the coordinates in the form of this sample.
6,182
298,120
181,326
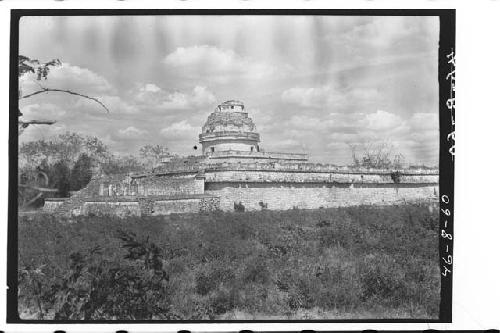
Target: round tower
229,128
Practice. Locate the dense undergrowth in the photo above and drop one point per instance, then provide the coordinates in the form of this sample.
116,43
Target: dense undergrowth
356,262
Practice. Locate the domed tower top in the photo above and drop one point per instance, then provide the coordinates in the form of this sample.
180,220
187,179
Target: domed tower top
229,128
231,106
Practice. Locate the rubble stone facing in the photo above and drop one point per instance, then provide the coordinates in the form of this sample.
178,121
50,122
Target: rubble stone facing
209,204
51,205
312,196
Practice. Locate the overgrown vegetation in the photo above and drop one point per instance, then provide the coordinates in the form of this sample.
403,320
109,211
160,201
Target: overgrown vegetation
355,262
67,161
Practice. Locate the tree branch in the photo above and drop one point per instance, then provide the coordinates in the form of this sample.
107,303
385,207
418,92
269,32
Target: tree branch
37,188
68,92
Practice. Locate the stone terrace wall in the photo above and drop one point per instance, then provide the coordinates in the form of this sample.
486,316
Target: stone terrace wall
234,165
146,206
166,207
162,185
117,208
298,176
52,204
309,196
106,194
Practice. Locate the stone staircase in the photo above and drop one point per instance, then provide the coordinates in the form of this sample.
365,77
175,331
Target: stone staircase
78,198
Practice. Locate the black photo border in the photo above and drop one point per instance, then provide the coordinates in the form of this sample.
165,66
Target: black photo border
446,160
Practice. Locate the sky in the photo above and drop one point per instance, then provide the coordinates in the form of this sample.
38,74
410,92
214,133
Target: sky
314,84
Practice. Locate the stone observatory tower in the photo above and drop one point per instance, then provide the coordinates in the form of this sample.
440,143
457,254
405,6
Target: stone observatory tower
229,129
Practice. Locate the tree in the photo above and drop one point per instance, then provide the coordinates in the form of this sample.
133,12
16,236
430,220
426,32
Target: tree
66,147
60,178
27,65
121,164
153,154
81,173
376,156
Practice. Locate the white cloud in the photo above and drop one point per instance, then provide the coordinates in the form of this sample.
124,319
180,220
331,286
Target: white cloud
68,77
131,132
424,121
181,130
38,132
150,87
153,96
201,96
115,104
309,123
206,60
329,96
45,111
382,120
309,97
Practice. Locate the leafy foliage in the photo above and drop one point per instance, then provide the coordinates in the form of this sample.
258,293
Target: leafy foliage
94,289
60,178
377,156
65,147
152,154
352,262
75,152
28,65
81,172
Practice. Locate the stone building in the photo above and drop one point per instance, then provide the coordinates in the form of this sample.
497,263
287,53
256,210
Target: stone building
234,171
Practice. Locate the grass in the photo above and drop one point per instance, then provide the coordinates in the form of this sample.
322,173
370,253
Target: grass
362,262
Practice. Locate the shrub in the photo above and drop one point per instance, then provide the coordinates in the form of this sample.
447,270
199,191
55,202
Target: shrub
81,173
208,281
224,301
256,271
380,277
217,265
97,289
239,207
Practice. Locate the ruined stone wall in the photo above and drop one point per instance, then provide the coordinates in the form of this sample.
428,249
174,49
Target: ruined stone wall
120,209
168,186
311,196
209,204
146,206
324,177
51,205
225,144
166,207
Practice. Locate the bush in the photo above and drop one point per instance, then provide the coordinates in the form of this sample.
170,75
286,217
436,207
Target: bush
256,271
95,289
381,277
332,263
223,301
208,281
81,173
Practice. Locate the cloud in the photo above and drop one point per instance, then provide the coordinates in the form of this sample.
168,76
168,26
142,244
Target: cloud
45,111
330,96
150,87
131,133
115,104
68,77
384,32
75,79
382,120
37,132
181,130
152,96
308,97
424,121
206,60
